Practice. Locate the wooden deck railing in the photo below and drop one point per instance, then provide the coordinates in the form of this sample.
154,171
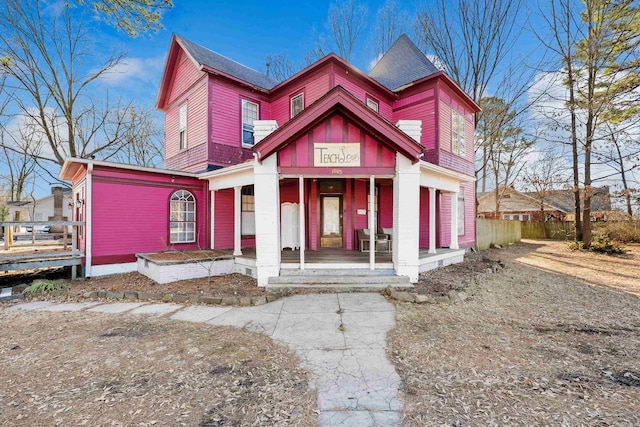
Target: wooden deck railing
31,260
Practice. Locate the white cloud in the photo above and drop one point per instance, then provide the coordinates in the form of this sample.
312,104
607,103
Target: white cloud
135,70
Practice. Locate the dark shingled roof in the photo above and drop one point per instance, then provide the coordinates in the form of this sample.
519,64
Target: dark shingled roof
564,199
402,64
204,56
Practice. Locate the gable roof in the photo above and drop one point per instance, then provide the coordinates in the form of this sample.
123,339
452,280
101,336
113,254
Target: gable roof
340,100
208,59
402,64
565,199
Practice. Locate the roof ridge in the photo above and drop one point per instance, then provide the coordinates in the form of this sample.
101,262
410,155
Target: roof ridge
221,55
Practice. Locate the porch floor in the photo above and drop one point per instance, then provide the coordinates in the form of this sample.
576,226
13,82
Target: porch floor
343,256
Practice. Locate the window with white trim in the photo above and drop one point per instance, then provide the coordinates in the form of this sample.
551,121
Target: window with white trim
250,112
372,104
458,138
297,104
248,220
461,214
182,127
182,217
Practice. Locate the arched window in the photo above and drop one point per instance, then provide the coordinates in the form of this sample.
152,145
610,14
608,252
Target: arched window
182,217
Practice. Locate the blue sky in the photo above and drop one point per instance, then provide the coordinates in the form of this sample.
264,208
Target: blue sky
245,31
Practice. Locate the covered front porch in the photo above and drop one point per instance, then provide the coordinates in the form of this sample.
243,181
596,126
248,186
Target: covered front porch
339,258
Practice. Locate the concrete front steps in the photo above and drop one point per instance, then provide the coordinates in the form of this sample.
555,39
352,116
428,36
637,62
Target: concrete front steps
348,280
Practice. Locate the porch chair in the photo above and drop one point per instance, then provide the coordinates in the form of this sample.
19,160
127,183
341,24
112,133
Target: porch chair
389,233
365,240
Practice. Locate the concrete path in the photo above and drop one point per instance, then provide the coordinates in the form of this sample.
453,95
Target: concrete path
340,339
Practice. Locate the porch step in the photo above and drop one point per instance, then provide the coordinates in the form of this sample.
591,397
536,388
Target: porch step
334,272
348,280
336,287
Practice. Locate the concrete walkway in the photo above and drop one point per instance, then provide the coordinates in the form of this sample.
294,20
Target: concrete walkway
340,339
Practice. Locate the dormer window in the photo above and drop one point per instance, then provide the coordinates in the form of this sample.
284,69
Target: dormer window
250,112
372,104
182,127
297,104
458,140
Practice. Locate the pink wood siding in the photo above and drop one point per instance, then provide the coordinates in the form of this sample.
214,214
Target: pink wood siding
424,217
469,237
385,206
360,203
444,220
223,219
225,103
420,106
360,91
347,216
313,88
289,191
445,126
185,75
375,158
314,217
131,213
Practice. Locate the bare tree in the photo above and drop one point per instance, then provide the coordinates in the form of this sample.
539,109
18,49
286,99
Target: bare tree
597,44
142,137
472,38
280,67
621,153
345,23
19,147
46,60
390,23
543,176
347,20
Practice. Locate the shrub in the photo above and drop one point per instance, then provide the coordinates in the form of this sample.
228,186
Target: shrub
622,231
575,245
45,286
604,245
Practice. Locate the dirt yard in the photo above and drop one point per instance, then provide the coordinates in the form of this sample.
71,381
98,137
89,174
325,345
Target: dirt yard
534,346
100,370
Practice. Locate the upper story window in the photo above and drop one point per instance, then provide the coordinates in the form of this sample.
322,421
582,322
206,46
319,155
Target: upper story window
372,104
458,140
182,127
182,217
250,112
297,104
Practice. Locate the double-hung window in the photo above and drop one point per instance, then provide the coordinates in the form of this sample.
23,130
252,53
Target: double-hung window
182,217
182,127
248,211
250,112
297,104
372,104
458,140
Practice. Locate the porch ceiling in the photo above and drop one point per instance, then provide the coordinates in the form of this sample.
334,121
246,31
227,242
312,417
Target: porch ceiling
440,178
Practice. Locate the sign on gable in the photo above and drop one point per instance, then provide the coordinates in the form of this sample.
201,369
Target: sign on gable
340,154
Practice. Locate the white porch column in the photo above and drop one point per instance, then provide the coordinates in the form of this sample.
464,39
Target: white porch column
406,218
454,221
237,221
267,208
301,220
213,221
432,220
372,223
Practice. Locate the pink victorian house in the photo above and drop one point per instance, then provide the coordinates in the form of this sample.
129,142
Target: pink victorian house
292,175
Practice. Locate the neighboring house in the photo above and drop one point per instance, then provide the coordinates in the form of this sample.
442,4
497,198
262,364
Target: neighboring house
42,209
255,165
526,206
